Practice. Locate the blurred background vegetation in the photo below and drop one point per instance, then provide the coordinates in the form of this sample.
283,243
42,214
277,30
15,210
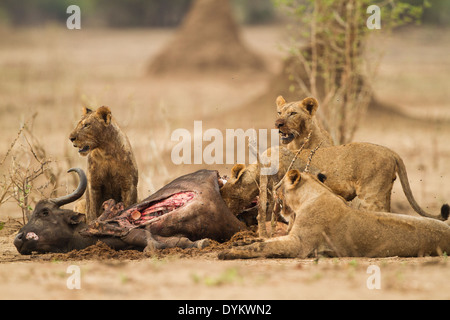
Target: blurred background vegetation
157,13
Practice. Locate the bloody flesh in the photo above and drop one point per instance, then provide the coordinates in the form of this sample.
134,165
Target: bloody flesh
160,208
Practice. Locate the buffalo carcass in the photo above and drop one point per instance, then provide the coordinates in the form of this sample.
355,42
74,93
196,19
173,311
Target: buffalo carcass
185,213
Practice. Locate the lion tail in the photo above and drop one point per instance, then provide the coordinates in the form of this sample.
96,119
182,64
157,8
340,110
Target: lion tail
403,175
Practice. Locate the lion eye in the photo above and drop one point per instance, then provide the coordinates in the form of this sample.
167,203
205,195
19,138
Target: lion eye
292,113
86,125
279,113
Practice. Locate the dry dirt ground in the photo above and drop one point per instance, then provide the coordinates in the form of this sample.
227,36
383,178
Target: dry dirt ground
53,71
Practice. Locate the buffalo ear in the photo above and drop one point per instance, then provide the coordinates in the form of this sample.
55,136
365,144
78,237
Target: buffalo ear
293,177
237,171
74,217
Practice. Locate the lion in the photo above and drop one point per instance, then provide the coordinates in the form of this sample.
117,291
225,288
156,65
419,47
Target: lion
241,191
112,168
356,170
296,119
325,224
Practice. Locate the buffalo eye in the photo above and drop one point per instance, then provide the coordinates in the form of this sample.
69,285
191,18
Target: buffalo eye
44,213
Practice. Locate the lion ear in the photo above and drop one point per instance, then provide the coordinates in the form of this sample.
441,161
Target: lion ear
237,171
86,110
311,105
293,177
105,114
280,102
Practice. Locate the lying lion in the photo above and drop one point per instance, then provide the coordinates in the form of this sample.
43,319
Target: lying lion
324,223
356,170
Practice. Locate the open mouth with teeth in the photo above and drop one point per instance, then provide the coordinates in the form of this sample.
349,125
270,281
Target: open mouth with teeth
286,137
84,149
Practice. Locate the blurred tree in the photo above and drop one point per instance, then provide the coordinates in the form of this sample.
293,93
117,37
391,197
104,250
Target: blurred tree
120,13
254,11
32,12
160,13
438,13
332,66
139,13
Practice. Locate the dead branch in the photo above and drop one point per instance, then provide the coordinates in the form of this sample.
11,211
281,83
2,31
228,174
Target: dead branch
28,164
331,67
311,155
22,127
262,206
278,185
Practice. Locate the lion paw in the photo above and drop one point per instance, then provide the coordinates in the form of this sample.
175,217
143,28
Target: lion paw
246,242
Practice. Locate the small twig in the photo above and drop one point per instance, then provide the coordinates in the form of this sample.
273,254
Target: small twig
262,186
276,187
13,143
32,150
311,155
262,206
253,146
298,151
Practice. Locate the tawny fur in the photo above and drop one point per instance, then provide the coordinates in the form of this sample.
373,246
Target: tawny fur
324,223
357,170
112,169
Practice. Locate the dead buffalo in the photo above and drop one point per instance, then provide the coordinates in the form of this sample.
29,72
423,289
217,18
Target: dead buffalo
184,214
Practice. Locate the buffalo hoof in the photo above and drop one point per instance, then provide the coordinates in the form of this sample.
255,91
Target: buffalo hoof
201,244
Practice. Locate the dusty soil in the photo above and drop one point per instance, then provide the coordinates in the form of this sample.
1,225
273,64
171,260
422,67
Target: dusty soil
54,72
197,274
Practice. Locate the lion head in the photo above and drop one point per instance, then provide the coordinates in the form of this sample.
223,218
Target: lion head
91,131
298,187
295,119
291,182
241,189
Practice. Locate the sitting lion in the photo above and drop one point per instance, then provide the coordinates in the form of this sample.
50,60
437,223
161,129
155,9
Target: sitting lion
356,170
112,169
296,119
324,223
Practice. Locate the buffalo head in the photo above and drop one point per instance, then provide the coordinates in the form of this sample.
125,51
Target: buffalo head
50,228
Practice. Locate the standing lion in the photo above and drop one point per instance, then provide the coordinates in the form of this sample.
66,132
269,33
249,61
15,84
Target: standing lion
112,169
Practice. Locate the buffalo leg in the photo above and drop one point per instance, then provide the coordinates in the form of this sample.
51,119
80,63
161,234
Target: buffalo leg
144,239
180,242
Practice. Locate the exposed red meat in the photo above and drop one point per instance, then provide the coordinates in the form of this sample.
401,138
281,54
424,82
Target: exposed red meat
160,208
